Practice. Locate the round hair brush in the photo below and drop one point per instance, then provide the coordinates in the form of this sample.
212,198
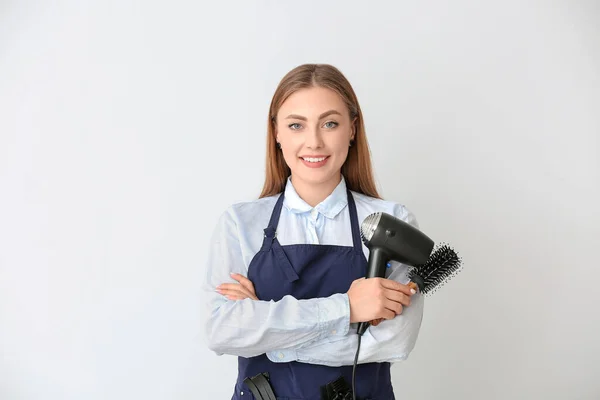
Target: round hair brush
442,265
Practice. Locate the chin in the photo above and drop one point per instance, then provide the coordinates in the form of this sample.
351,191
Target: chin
317,177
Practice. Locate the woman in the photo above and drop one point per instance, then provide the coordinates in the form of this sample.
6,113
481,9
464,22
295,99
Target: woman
286,272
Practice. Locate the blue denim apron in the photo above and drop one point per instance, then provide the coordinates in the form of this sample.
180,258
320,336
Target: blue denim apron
308,271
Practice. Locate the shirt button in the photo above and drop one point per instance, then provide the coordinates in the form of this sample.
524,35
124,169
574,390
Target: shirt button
280,355
334,331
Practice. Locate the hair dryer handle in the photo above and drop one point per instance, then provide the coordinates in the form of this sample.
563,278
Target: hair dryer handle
378,260
362,328
377,264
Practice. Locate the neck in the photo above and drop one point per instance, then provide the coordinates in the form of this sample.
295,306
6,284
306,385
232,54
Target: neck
314,193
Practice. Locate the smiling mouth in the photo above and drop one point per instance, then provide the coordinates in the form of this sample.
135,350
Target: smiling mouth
314,159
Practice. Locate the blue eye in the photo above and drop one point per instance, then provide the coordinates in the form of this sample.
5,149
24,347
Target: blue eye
295,126
331,124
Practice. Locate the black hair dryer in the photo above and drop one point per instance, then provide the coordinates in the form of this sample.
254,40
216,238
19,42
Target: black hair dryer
389,238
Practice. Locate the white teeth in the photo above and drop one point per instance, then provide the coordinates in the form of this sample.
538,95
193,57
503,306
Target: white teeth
309,159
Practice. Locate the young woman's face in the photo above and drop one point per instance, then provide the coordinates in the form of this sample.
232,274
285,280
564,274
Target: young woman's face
314,130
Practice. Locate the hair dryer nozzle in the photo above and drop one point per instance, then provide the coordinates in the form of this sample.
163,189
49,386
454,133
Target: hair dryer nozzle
367,229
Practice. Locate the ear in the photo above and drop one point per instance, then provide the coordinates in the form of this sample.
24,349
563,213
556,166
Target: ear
353,131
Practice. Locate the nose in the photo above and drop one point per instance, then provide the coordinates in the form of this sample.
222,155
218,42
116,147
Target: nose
314,139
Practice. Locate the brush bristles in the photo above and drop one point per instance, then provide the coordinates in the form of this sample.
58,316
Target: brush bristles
442,265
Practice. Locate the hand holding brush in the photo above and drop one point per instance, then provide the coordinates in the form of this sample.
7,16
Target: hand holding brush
427,278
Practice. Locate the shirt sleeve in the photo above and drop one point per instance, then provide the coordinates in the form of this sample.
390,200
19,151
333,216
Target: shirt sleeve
390,341
249,327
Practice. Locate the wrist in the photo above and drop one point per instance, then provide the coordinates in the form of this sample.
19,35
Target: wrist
351,314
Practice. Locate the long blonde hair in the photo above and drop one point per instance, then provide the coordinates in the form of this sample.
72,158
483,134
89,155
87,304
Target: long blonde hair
357,169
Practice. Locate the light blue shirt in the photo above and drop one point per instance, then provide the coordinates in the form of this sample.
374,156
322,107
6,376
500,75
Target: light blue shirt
316,331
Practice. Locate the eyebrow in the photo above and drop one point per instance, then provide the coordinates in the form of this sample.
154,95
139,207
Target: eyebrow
325,114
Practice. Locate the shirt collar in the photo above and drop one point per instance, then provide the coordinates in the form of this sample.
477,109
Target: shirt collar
330,207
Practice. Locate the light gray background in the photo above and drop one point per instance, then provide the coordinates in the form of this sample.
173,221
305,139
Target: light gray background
126,128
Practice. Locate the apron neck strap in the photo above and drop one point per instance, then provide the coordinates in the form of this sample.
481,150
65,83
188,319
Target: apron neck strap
274,221
356,239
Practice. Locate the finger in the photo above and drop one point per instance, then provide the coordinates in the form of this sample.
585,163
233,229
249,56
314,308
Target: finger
388,314
249,286
242,280
234,297
239,292
228,292
229,286
387,311
245,282
237,296
395,307
398,297
237,287
232,294
391,284
413,286
397,286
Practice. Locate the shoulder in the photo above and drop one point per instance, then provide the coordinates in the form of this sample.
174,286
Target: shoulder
366,205
248,213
